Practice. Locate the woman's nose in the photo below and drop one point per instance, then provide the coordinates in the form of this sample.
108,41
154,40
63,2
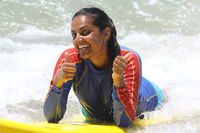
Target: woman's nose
78,38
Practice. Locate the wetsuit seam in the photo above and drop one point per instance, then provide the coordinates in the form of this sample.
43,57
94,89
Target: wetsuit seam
78,82
147,99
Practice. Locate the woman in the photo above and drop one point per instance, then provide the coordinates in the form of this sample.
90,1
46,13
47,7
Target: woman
106,77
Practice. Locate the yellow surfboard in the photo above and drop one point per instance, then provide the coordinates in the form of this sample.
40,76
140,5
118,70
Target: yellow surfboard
77,125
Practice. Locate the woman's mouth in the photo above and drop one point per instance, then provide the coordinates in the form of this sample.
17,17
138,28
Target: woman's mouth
83,50
83,46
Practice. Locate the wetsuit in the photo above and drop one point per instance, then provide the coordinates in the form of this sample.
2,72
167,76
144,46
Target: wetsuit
97,94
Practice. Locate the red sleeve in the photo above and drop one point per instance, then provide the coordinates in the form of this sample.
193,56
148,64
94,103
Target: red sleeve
128,95
56,98
73,58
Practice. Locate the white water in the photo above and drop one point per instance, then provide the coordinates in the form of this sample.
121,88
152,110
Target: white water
172,61
167,38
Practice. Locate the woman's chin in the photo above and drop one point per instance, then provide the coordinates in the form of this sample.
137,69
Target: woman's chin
83,55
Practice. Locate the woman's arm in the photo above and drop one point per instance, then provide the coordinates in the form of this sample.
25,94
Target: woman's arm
126,84
55,103
56,100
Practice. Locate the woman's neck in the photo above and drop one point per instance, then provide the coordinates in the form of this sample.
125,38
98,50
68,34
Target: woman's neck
100,61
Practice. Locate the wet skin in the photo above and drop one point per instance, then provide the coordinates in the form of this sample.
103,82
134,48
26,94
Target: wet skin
91,43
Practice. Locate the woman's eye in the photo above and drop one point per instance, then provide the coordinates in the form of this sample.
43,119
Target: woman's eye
73,35
85,32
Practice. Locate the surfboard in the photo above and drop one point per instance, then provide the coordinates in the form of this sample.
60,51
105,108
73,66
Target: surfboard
76,125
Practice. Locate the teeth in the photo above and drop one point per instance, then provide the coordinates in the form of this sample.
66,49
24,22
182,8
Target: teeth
83,46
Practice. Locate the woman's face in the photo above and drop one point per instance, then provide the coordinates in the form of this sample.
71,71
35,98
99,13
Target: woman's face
87,38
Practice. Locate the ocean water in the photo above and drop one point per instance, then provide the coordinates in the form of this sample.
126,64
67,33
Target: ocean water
166,34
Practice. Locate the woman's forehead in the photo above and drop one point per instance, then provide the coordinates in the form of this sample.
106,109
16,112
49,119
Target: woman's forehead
82,21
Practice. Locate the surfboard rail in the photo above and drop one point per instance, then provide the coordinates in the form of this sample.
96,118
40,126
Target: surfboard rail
76,125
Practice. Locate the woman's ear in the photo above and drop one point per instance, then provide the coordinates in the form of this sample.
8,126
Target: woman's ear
107,32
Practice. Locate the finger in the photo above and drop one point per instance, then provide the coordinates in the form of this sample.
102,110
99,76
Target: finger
69,69
120,62
127,56
117,72
69,65
67,57
117,68
68,78
68,74
120,58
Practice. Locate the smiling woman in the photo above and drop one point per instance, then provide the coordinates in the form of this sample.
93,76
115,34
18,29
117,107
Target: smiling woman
90,42
106,77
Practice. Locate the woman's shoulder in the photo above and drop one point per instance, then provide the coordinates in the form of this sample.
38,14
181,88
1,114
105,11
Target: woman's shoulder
125,50
131,56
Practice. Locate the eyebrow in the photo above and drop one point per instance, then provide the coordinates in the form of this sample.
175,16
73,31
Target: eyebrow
82,28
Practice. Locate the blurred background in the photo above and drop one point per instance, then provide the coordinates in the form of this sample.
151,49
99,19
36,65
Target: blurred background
166,34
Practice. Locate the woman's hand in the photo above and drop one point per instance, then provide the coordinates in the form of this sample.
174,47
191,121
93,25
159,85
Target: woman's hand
119,67
65,73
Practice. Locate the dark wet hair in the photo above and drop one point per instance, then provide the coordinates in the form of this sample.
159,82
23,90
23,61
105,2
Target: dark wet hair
101,20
